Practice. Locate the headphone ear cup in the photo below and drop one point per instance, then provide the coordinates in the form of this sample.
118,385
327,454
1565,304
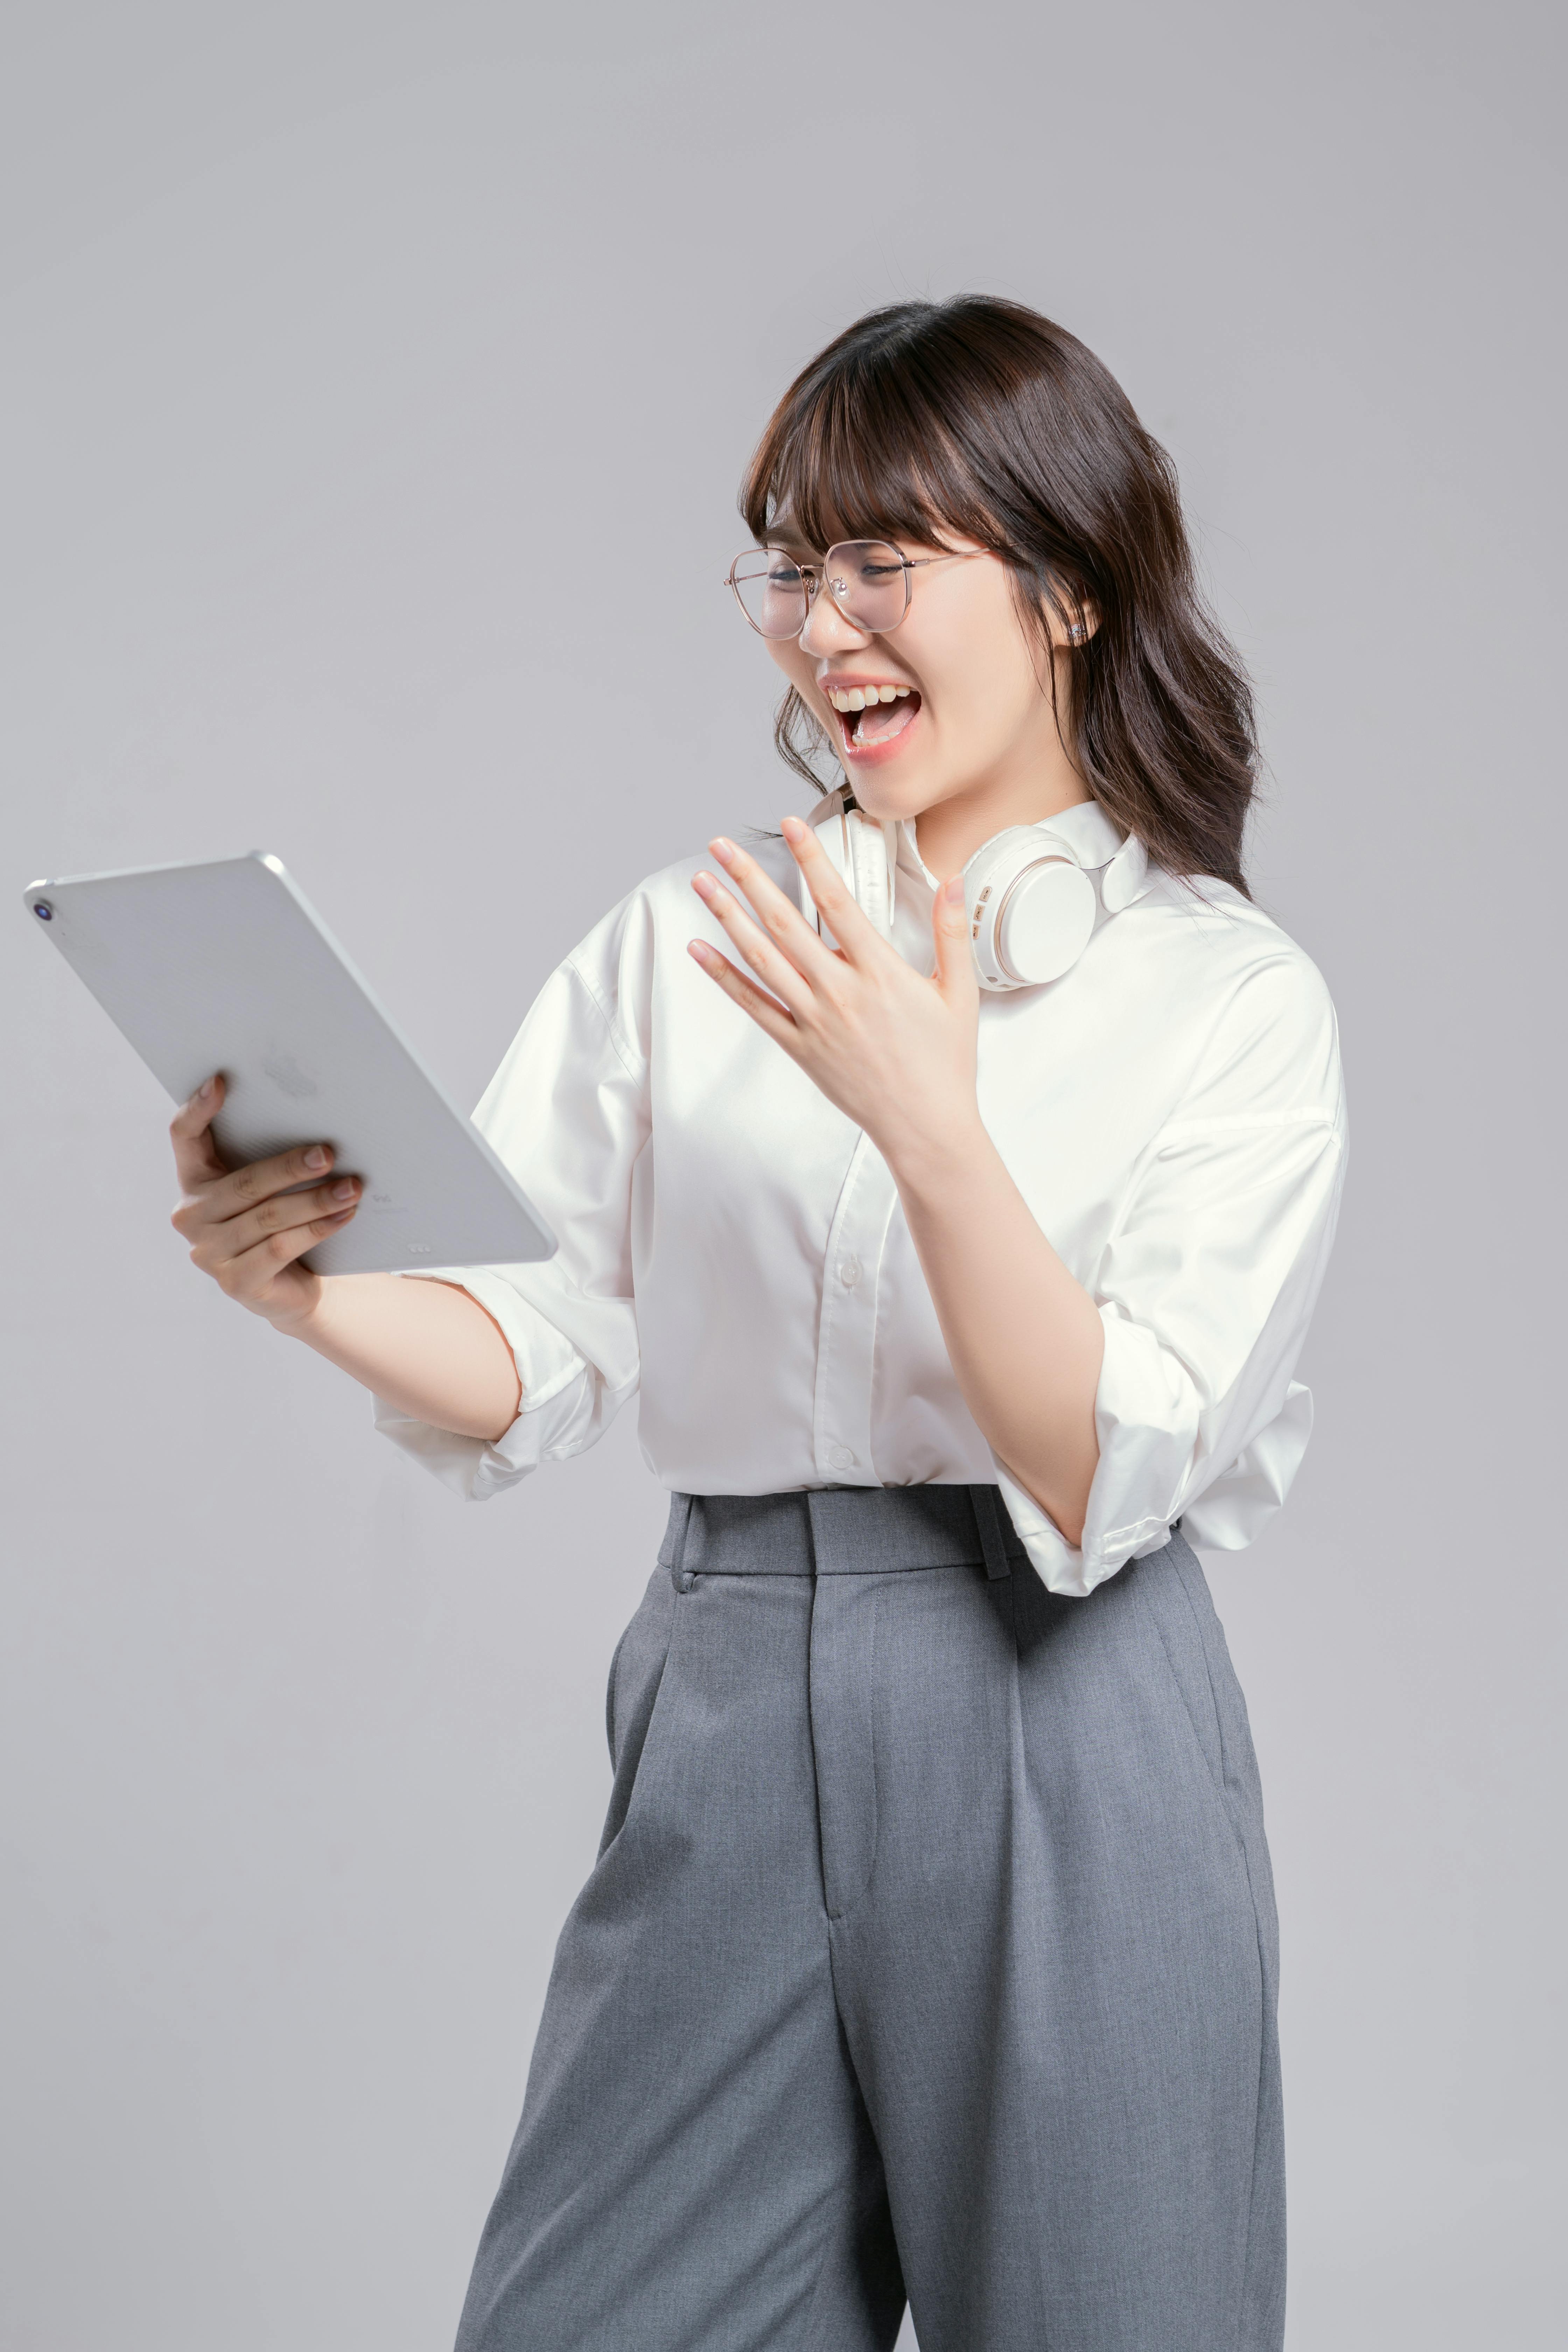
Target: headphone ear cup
1031,912
1046,924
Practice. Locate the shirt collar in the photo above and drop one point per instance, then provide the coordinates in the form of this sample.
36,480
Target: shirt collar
1092,839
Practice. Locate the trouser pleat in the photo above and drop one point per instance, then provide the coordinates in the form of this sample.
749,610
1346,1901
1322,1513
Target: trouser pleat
931,1944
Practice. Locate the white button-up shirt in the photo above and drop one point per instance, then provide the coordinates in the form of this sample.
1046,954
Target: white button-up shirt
732,1245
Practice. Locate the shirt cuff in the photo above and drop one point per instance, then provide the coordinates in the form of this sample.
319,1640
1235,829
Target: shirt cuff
558,1415
1234,1511
1154,1469
1071,1569
1146,1417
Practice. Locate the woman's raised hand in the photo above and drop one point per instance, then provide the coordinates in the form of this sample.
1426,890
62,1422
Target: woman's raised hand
245,1226
894,1050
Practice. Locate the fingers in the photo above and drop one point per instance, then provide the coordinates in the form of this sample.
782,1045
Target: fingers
247,1225
246,1251
955,974
777,913
254,1271
850,926
197,1159
243,1188
216,1238
765,1010
768,961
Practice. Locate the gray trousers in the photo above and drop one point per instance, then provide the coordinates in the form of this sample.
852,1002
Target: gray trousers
930,1948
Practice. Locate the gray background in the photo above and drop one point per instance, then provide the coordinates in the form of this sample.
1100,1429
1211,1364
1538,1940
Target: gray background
352,353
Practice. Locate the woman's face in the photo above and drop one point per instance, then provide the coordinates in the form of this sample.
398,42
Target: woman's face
969,717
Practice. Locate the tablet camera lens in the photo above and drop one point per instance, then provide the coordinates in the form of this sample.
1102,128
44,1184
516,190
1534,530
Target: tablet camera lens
44,912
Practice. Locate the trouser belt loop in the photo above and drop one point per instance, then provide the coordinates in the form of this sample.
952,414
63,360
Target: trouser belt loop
680,1576
988,1519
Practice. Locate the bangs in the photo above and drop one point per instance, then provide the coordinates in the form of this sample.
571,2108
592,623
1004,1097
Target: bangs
862,450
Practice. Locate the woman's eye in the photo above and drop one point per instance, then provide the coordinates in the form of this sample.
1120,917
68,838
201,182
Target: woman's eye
784,575
880,571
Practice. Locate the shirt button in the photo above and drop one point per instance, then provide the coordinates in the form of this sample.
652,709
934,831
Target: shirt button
840,1458
849,1272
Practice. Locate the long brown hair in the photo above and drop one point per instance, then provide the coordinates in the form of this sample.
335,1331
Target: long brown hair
978,416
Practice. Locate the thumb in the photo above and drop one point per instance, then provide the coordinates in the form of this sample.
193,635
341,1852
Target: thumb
955,974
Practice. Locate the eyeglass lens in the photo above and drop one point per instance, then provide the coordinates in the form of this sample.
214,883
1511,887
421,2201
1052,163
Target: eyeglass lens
864,577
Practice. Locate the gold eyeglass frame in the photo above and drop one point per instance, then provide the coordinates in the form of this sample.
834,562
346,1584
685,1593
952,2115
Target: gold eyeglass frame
816,576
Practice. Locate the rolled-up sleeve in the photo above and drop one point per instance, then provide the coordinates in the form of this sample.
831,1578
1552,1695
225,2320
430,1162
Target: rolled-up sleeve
567,1112
1205,1289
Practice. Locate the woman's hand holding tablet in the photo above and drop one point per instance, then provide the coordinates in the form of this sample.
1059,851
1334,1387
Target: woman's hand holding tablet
317,1157
428,1348
249,1227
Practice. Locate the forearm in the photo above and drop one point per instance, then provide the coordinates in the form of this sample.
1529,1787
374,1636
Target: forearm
1024,1337
428,1348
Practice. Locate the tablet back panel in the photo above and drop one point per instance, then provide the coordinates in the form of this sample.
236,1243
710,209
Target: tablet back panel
226,967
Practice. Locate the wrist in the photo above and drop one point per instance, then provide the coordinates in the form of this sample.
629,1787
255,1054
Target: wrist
306,1319
928,1161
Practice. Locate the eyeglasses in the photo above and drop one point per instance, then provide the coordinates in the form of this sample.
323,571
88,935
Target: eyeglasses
867,580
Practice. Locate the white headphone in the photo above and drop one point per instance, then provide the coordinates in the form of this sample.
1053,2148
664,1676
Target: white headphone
1031,904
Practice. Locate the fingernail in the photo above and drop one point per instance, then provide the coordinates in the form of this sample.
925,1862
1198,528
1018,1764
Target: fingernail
345,1190
792,828
723,849
952,890
205,1090
704,885
699,950
315,1157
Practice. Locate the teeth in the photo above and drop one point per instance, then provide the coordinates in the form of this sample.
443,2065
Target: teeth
856,698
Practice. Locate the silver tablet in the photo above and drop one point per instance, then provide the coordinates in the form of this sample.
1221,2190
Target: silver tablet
227,967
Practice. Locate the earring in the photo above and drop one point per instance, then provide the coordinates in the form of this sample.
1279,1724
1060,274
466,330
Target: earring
1077,632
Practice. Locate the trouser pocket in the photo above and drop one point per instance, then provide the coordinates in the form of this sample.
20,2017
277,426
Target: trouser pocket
631,1699
1175,1594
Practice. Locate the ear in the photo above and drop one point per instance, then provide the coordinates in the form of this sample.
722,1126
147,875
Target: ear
1069,617
1080,620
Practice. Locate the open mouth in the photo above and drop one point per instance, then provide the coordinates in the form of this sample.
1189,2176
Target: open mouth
872,715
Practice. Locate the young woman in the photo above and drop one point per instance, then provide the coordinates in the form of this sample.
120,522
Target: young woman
955,1179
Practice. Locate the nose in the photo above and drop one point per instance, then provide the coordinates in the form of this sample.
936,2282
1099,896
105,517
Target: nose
826,630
